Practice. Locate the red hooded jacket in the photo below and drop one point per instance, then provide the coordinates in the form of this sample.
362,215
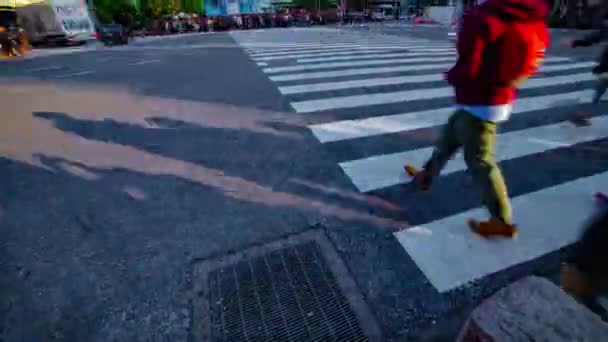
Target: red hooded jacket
500,44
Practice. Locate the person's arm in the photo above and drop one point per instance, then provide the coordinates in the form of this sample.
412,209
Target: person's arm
470,45
540,41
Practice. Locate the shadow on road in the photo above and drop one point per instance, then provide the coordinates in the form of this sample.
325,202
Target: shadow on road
107,195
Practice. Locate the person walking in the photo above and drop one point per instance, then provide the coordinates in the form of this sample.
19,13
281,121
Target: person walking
500,44
601,70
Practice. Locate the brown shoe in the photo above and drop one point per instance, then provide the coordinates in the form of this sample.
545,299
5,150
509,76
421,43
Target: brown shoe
420,178
575,282
493,227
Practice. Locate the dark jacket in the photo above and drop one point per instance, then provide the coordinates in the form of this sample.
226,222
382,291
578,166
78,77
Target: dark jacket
595,38
591,252
500,43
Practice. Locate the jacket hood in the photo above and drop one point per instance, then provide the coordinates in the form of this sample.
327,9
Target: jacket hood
517,10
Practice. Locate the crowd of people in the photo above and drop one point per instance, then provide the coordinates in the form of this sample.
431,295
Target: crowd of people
192,22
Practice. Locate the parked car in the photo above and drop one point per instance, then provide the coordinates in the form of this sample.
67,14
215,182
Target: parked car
113,34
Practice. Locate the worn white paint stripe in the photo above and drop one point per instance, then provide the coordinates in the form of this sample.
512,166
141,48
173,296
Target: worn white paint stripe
357,72
408,95
338,47
262,64
450,255
355,63
353,129
382,81
382,171
81,73
48,68
383,70
344,53
148,61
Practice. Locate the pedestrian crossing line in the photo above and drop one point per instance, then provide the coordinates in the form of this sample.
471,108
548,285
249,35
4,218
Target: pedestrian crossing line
343,53
395,69
382,171
279,52
350,48
353,101
357,72
363,83
356,63
341,44
450,242
361,128
351,57
398,80
445,250
321,48
262,64
422,57
272,45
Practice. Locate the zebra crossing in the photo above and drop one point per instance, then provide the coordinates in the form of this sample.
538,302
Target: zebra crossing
372,95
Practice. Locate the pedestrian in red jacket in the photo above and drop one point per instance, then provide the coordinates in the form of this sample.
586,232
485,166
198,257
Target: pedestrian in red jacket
500,44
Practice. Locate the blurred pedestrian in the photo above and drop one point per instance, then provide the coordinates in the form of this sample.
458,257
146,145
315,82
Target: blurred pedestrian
585,274
601,70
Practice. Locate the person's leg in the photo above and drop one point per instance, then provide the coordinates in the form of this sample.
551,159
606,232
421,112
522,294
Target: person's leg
600,89
445,148
478,138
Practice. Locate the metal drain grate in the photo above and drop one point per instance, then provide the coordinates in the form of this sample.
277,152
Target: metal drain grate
291,290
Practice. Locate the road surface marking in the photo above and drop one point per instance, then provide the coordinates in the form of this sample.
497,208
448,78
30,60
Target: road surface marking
356,63
49,68
386,170
353,101
323,48
75,74
360,128
369,82
344,53
356,72
382,81
450,255
147,61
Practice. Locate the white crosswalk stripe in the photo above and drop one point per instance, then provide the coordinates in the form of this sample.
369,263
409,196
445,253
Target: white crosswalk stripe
357,79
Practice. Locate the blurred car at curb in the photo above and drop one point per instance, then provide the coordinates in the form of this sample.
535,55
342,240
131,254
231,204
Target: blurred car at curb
112,34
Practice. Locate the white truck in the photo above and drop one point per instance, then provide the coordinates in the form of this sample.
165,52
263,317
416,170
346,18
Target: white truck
56,21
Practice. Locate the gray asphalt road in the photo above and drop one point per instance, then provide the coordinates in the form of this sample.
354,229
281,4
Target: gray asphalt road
122,169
